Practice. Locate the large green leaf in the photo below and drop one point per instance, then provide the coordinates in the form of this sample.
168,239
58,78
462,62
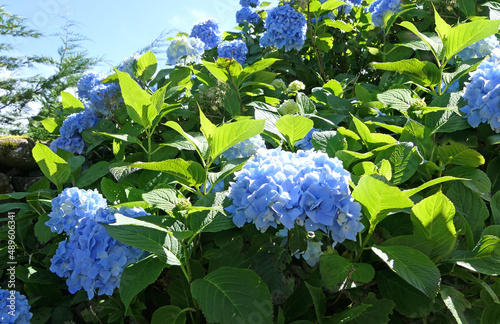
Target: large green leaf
92,174
484,258
231,295
165,199
137,277
335,270
432,219
137,101
479,181
294,128
404,162
227,135
319,301
413,266
455,302
200,146
378,198
378,313
145,236
459,154
71,104
213,220
371,140
421,136
329,142
425,72
168,314
431,43
146,66
53,167
187,172
399,99
495,208
410,192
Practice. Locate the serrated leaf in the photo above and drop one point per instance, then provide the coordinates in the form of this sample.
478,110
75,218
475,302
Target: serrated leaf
455,302
53,167
168,314
479,181
399,99
329,142
425,72
165,199
71,104
146,66
413,266
201,147
213,220
371,140
459,154
294,128
187,172
92,174
484,258
227,295
404,161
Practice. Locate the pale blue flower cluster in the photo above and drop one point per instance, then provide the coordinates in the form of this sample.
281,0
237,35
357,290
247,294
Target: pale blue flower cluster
127,66
245,149
87,82
100,98
235,49
14,308
249,3
381,8
208,32
246,14
479,49
306,142
89,258
71,129
312,254
185,48
483,93
285,28
305,188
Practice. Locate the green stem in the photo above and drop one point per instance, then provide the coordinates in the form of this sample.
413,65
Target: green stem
149,145
188,265
316,51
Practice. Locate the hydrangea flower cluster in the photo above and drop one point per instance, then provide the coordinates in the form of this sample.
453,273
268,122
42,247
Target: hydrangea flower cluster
312,254
245,149
100,98
190,48
71,129
208,32
296,86
127,66
246,14
479,49
285,28
87,82
483,93
236,49
14,308
304,188
279,84
89,258
306,142
288,107
249,3
381,8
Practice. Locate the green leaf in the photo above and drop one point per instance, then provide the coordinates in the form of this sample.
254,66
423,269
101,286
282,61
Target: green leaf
421,136
165,199
378,313
206,127
158,98
53,167
493,172
213,220
432,219
187,172
137,277
484,258
50,124
122,137
294,128
306,105
459,154
425,72
146,66
230,295
435,47
218,72
371,140
479,181
201,147
145,236
349,157
319,301
349,314
92,174
42,231
442,28
329,142
495,208
71,104
334,87
399,99
491,314
335,270
413,266
331,4
404,161
463,35
378,198
137,101
113,192
455,302
260,65
168,314
340,25
409,301
227,135
410,192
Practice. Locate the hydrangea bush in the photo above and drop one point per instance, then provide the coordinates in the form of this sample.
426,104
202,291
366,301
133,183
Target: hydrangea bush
318,167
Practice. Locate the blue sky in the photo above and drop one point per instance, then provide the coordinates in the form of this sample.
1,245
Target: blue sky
116,28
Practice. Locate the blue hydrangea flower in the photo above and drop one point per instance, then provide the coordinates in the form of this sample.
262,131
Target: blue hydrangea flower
246,14
285,28
104,99
483,93
127,66
87,82
14,308
306,142
245,149
71,205
479,49
70,131
312,254
236,49
208,32
90,258
306,188
219,186
249,3
381,8
189,48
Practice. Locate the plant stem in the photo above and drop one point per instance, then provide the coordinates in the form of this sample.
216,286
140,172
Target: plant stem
235,89
316,51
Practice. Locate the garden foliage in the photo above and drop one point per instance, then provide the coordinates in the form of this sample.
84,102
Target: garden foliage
331,162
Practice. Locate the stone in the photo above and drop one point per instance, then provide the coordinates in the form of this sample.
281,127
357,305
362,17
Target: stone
15,152
5,186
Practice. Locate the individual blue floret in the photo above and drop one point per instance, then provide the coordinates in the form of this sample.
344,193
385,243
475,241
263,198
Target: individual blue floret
14,308
208,32
285,28
235,49
483,93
